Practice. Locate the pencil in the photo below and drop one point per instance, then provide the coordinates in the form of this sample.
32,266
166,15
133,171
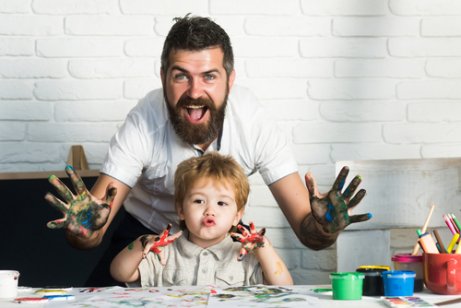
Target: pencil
448,302
439,241
423,230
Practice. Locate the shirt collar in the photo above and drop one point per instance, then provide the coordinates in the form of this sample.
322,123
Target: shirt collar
190,250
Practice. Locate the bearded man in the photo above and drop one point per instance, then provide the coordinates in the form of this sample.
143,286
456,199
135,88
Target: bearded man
198,110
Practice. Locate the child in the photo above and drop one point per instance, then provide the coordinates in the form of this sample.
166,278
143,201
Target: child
210,195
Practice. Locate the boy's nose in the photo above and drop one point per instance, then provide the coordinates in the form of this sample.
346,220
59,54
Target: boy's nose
209,212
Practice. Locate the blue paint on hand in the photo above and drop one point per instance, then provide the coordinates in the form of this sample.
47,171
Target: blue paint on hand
329,213
370,215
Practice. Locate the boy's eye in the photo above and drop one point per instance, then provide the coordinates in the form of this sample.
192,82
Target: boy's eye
199,201
222,203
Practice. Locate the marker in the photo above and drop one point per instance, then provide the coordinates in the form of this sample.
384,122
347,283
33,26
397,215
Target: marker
449,224
51,292
321,290
456,221
453,242
439,241
63,297
423,229
427,243
30,300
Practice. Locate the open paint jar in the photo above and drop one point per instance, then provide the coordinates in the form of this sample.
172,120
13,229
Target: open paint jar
8,283
373,282
347,285
407,262
398,283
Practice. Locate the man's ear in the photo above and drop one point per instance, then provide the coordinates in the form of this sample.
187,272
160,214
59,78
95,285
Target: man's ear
231,79
162,76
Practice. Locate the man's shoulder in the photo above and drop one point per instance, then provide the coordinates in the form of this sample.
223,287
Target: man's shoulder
239,93
151,105
242,98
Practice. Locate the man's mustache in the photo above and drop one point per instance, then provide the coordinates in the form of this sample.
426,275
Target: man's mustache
188,101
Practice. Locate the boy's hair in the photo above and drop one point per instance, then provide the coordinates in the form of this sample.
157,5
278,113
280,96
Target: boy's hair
197,33
221,168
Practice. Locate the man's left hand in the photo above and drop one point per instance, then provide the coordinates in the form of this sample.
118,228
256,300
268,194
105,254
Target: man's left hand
331,210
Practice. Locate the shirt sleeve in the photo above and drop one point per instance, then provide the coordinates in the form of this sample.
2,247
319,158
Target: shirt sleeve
128,149
273,154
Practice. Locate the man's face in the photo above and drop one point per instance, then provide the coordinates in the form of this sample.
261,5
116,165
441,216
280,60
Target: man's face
196,87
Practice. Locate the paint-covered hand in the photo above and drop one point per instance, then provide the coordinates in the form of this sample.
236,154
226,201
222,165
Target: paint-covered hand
331,210
82,212
250,239
155,243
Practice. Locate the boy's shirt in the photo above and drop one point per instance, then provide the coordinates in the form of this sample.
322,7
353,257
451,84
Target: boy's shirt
189,264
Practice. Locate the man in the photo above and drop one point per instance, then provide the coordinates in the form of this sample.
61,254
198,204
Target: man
198,110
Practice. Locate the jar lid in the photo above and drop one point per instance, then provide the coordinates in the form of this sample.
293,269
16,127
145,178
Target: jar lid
372,268
399,274
407,258
347,275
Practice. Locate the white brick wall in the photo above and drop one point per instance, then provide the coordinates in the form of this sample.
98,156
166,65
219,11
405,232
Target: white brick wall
347,79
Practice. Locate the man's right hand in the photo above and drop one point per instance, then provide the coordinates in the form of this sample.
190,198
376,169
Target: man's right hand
82,213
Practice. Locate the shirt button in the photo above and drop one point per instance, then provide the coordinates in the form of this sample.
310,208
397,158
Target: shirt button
205,253
204,270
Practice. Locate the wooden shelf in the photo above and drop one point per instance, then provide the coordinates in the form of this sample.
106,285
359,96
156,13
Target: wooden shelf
44,174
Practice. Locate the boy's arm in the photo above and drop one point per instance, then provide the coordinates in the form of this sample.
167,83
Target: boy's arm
275,271
124,266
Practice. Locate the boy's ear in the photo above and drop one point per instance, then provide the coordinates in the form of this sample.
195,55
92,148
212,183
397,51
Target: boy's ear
238,217
180,212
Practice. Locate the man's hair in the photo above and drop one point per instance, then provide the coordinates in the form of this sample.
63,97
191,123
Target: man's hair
220,168
196,33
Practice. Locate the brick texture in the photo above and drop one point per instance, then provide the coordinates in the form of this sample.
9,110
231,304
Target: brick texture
346,79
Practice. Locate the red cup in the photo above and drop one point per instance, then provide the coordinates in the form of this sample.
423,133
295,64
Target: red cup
442,272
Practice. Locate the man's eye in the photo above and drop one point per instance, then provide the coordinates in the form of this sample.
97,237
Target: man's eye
210,77
180,77
222,203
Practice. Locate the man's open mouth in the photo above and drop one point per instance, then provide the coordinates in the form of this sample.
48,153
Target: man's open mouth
196,113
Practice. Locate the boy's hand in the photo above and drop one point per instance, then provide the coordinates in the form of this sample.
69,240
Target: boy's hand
331,210
250,240
82,213
155,243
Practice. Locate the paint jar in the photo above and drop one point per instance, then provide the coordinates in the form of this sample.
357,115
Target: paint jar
373,282
347,285
407,262
8,284
398,283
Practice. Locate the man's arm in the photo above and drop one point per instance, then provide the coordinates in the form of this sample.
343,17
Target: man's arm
293,199
317,219
99,191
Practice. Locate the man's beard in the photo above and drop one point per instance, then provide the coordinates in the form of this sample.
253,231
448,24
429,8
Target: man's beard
197,133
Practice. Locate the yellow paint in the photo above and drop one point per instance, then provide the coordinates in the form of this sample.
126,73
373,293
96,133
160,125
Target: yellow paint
278,268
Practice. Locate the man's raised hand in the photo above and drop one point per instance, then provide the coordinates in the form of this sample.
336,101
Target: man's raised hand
331,210
82,212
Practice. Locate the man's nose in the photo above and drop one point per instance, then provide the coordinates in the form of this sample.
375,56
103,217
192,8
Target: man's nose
195,88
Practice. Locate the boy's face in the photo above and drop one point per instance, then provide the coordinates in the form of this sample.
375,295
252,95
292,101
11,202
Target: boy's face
196,87
209,210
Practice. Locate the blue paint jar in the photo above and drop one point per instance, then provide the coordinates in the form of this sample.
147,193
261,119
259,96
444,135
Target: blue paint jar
398,283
